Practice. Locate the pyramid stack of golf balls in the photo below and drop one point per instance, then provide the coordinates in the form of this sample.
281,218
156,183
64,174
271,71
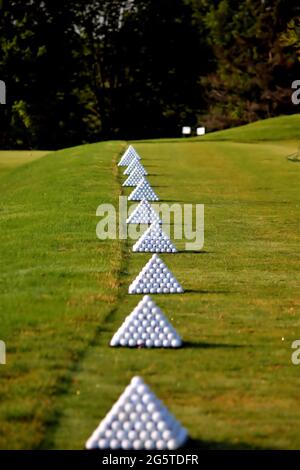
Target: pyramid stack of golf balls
138,420
128,156
143,214
143,191
146,327
154,240
155,278
134,178
135,165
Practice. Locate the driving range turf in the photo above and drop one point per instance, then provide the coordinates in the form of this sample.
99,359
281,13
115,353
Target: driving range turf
64,293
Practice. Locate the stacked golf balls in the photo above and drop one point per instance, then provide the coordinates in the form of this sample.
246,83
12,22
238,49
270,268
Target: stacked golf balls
143,191
147,327
143,214
155,278
128,156
138,420
135,165
134,178
154,240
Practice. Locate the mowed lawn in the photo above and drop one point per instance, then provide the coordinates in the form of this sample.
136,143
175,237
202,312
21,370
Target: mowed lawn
10,159
57,283
64,293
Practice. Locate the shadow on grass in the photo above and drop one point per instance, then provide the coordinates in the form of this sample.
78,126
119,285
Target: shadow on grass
159,186
172,200
201,291
197,444
195,252
199,345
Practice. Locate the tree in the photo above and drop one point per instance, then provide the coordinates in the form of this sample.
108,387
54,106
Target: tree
84,71
254,70
40,53
164,58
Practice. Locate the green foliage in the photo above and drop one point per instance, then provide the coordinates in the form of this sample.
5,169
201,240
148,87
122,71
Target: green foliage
254,67
84,71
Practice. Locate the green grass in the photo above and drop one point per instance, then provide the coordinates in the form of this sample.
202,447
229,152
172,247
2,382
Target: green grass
57,282
279,128
64,293
276,129
10,159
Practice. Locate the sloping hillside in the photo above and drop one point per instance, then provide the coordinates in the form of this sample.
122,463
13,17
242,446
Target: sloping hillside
279,128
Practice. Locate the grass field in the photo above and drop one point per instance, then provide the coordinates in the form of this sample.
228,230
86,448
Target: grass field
64,293
11,159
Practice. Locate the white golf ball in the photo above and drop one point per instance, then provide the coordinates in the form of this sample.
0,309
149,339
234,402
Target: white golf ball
144,435
155,435
167,435
149,444
172,444
160,445
150,426
132,434
145,417
109,434
115,444
122,417
161,426
127,426
147,398
103,444
114,342
120,434
137,444
156,416
126,444
139,426
133,416
141,389
136,381
151,408
128,407
139,408
134,398
116,425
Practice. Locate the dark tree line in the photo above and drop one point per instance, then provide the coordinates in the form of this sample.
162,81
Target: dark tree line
82,71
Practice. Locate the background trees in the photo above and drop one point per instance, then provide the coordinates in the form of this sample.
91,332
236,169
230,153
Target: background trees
254,63
100,69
